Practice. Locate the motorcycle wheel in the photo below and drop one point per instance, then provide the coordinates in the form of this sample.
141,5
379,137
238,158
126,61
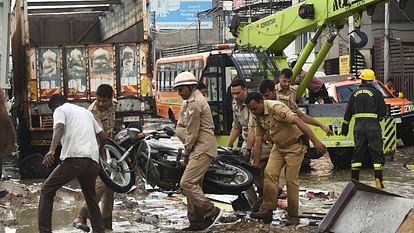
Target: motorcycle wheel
116,175
222,178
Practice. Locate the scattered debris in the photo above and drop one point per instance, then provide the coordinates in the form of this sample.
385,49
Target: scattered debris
3,192
150,219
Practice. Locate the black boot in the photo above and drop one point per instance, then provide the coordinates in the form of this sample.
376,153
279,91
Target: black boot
355,174
355,167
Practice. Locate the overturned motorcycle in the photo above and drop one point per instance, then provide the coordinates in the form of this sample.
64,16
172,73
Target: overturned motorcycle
161,165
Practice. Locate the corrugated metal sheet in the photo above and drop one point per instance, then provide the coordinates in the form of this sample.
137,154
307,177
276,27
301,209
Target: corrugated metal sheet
362,208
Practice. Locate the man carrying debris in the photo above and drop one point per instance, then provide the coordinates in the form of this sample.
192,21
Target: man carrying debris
286,131
76,129
366,105
200,148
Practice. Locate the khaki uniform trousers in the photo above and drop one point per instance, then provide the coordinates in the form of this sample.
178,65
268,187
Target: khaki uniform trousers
258,178
292,157
105,196
198,205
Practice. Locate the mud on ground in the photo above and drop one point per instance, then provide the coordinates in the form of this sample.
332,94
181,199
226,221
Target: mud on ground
141,211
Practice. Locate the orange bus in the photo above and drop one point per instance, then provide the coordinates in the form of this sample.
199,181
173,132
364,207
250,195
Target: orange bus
168,102
216,69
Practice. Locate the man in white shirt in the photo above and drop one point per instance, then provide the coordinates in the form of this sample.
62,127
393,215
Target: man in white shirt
76,129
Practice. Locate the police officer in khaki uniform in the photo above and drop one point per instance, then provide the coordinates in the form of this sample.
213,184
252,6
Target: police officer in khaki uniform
201,148
286,131
180,127
263,151
243,124
287,95
240,113
103,110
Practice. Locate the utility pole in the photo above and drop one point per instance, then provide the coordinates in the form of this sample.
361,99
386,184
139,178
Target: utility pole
198,31
387,42
153,28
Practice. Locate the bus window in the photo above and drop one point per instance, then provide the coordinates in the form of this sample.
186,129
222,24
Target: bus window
160,77
167,80
173,75
254,67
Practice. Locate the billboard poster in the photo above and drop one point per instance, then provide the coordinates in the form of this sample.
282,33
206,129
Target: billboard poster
49,72
178,14
32,73
75,73
101,67
145,82
128,69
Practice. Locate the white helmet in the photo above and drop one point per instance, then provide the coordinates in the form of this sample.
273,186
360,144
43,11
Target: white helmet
185,79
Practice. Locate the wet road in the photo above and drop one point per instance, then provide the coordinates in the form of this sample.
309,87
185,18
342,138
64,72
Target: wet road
18,212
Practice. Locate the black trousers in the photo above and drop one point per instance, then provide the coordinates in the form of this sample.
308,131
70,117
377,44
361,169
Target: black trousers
368,141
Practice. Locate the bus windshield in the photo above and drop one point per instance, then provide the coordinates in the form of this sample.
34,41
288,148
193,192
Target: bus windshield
254,67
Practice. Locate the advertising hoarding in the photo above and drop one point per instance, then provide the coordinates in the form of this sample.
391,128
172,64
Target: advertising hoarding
101,67
178,14
49,72
75,72
128,69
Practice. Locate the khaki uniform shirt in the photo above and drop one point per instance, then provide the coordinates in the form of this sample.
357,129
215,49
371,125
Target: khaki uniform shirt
180,128
106,118
288,98
277,124
198,122
241,117
267,144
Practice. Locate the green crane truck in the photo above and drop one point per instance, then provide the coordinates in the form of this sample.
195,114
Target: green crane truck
270,35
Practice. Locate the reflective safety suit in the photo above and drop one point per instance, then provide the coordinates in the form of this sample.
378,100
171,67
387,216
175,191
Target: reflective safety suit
367,106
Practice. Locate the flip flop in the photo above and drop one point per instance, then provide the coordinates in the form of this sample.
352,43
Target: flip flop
81,226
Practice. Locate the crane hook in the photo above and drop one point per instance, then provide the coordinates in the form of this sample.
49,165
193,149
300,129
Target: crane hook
363,39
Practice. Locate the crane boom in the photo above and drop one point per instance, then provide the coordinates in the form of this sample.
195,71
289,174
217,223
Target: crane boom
275,32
